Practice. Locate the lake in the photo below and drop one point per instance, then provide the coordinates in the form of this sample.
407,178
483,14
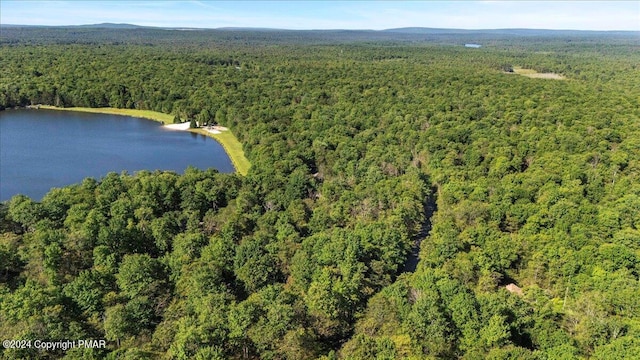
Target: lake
41,149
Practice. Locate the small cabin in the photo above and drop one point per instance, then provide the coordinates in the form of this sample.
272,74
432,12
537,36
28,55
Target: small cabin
473,46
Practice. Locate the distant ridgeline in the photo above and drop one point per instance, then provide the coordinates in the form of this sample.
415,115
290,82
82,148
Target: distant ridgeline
133,34
354,138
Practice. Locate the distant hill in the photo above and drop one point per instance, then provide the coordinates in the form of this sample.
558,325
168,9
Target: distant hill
404,30
232,28
109,26
121,33
427,31
87,26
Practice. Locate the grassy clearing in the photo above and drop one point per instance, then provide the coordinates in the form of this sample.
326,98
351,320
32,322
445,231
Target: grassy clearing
233,148
228,141
536,75
145,114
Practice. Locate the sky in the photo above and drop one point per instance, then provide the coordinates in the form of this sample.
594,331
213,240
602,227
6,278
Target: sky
375,15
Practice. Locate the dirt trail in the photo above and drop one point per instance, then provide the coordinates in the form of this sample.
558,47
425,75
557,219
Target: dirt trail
413,258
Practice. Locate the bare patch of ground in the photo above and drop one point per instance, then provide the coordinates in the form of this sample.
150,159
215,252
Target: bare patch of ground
181,126
536,75
215,129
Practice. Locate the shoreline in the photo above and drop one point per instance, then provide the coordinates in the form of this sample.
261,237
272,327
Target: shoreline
145,114
228,141
231,146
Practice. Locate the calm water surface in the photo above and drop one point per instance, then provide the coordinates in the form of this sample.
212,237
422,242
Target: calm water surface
41,149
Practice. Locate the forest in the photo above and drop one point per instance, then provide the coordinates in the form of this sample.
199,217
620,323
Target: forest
357,143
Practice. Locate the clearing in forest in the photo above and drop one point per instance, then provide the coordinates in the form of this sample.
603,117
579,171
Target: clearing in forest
534,74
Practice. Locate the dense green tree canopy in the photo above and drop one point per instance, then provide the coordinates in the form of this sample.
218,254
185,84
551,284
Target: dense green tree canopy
352,140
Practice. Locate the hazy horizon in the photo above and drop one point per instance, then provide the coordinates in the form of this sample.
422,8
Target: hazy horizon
331,15
97,25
